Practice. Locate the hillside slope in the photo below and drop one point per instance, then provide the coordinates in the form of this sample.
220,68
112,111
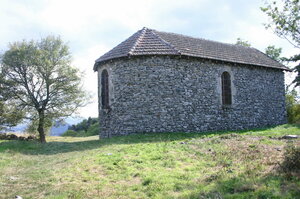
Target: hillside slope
178,165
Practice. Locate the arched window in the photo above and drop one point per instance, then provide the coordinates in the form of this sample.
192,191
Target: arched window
226,89
104,90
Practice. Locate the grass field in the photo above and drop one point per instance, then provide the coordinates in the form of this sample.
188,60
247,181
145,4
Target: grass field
240,164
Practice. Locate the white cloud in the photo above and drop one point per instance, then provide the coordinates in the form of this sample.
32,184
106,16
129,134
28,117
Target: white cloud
93,27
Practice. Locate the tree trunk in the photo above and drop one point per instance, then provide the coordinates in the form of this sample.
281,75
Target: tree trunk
41,126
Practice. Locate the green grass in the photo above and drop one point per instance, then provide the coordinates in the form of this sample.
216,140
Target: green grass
241,164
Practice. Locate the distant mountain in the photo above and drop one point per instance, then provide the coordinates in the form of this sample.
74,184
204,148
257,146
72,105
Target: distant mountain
20,128
59,128
56,130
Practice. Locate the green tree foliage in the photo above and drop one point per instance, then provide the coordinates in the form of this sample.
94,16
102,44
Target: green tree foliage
87,127
84,125
242,42
285,22
38,76
292,107
296,58
284,19
274,53
93,129
10,115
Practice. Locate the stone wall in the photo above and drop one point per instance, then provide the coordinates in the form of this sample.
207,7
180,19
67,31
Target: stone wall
165,94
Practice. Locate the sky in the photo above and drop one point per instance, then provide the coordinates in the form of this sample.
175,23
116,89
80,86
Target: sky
93,27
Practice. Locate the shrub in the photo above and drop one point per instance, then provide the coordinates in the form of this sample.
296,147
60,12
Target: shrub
70,133
293,107
93,130
291,163
87,127
84,125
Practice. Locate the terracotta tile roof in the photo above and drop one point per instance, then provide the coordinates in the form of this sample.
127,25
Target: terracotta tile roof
152,42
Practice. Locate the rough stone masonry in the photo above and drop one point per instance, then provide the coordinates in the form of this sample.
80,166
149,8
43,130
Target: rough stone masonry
153,85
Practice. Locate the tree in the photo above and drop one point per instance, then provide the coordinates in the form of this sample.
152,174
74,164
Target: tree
292,106
39,77
285,22
296,58
274,52
10,115
242,42
84,125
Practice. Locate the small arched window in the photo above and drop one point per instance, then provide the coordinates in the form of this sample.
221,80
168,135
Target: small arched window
104,89
226,89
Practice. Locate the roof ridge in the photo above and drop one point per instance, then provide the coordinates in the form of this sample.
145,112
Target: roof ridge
165,42
142,34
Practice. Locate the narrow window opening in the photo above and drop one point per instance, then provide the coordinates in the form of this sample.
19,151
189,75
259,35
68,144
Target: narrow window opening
226,89
104,90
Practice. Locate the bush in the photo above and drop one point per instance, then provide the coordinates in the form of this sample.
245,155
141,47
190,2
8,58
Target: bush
291,163
293,107
93,130
84,125
293,114
87,127
70,133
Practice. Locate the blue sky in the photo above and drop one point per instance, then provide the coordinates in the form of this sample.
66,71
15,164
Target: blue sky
92,27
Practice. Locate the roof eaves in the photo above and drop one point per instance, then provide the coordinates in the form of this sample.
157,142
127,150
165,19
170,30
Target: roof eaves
283,66
237,62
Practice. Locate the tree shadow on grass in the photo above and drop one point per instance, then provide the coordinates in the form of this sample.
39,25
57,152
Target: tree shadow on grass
56,147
